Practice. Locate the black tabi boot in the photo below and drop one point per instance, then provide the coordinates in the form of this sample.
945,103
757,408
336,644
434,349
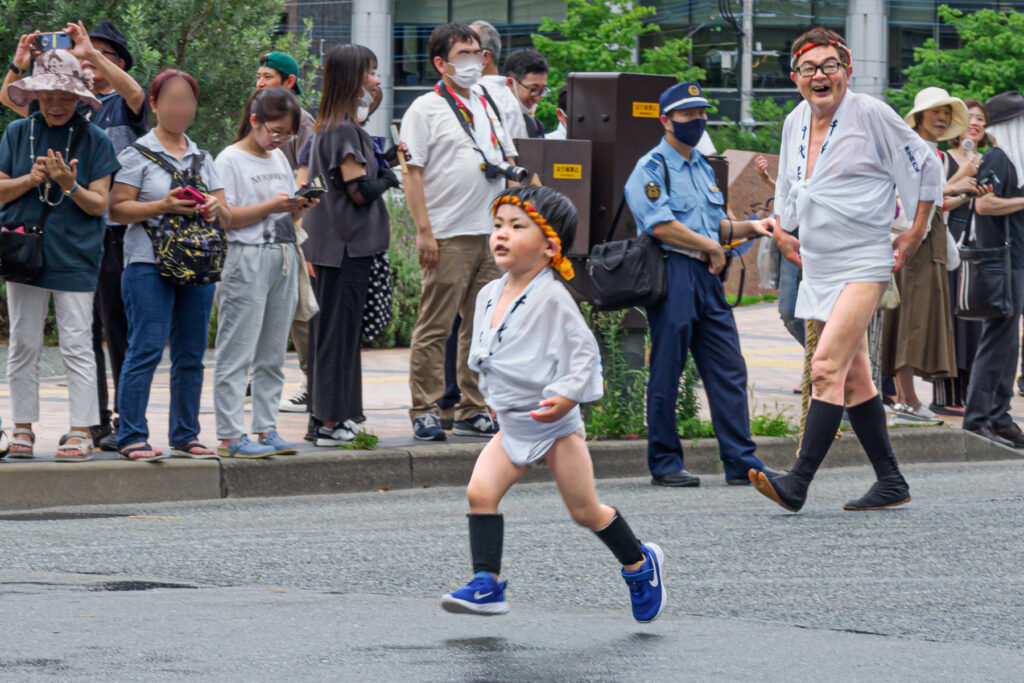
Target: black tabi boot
891,489
790,489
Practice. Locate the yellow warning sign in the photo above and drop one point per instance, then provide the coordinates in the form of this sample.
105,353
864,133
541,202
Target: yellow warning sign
645,110
567,171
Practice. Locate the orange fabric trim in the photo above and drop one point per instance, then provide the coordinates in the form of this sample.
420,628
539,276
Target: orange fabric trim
558,261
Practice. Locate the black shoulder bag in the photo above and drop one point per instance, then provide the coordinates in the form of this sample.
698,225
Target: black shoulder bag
21,246
630,272
985,279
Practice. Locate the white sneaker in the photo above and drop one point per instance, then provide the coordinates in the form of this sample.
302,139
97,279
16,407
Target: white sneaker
921,415
340,435
297,403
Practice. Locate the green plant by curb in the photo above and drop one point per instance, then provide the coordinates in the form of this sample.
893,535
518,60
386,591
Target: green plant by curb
364,441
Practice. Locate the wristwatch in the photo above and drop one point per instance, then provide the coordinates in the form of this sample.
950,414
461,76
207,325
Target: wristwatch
68,193
15,70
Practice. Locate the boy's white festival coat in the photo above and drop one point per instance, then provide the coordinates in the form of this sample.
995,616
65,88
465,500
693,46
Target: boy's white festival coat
540,349
843,212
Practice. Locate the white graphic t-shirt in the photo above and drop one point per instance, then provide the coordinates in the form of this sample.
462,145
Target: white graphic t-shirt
250,180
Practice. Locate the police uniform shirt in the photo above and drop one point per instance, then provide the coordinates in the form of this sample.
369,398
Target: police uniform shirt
692,198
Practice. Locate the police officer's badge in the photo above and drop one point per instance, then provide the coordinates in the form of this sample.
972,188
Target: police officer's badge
694,91
652,190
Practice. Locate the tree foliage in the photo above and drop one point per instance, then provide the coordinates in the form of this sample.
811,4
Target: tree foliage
765,138
990,61
218,42
601,35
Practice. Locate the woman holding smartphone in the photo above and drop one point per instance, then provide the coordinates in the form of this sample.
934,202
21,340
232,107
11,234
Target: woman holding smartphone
346,230
258,291
158,309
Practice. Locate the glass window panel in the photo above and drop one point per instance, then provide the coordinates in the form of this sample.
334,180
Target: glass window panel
431,12
466,11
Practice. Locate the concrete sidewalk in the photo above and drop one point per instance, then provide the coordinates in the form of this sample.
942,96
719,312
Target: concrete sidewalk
774,363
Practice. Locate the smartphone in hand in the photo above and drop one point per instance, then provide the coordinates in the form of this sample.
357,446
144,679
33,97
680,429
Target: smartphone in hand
189,192
314,190
54,40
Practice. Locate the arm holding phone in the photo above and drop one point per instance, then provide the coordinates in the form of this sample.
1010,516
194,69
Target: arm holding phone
22,61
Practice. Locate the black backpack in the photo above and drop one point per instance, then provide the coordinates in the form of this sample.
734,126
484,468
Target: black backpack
189,250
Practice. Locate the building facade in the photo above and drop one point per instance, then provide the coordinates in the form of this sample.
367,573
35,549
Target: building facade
883,37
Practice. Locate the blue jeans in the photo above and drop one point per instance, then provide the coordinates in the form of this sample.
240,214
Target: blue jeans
159,311
789,285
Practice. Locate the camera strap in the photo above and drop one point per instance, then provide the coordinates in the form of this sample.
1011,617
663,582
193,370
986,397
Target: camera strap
465,117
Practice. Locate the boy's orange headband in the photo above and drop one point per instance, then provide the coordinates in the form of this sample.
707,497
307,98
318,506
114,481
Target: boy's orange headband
558,261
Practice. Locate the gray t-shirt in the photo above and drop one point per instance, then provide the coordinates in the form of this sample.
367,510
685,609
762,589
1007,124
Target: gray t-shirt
337,226
292,149
154,183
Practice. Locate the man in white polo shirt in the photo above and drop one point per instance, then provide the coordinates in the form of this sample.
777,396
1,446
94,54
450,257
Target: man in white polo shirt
451,132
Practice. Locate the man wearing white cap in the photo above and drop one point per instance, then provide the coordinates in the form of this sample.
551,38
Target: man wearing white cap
842,156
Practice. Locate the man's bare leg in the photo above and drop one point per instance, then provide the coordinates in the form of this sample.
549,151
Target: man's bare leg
842,343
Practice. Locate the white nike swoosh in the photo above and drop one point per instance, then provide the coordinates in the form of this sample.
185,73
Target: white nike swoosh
654,581
480,596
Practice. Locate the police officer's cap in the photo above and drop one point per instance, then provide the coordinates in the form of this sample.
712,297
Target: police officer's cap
682,96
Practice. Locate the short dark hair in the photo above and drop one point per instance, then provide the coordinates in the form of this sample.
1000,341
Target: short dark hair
820,35
563,98
444,36
553,206
524,62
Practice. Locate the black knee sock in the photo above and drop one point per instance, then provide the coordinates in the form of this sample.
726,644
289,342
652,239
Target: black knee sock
620,540
486,537
868,421
820,429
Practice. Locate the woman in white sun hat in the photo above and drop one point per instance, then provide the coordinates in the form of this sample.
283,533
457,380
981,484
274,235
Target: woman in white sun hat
917,336
54,161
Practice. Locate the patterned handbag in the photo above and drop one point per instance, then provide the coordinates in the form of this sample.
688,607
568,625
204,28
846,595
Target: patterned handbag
377,313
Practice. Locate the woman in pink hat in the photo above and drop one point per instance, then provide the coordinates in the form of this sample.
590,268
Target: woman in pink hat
55,173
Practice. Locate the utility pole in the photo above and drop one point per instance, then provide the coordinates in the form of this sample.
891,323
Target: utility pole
371,26
746,65
867,35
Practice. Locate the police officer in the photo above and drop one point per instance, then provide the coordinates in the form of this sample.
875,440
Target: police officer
672,195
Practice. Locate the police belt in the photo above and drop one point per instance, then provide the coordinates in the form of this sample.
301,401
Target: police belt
697,255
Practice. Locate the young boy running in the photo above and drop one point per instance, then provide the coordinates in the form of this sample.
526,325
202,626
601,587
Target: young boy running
537,362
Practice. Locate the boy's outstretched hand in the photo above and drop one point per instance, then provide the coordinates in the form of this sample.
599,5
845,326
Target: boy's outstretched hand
552,409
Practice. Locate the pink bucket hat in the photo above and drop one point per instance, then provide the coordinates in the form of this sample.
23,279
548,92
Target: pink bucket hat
53,70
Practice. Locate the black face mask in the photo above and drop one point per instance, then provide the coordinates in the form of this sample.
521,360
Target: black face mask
689,133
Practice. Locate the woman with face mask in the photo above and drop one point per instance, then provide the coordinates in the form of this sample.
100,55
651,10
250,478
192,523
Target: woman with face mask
347,229
55,162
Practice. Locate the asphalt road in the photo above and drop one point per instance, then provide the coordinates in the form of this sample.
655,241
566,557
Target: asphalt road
346,587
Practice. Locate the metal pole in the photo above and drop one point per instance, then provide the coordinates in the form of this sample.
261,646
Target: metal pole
746,65
372,27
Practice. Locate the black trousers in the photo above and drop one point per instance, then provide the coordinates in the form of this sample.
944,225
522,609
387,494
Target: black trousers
335,340
108,319
991,385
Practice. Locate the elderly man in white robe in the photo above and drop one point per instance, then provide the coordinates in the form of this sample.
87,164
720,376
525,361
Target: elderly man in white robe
843,158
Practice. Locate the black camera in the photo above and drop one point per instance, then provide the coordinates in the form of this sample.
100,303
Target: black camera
506,170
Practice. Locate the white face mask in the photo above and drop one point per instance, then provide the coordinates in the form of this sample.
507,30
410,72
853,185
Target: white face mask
525,109
467,73
363,106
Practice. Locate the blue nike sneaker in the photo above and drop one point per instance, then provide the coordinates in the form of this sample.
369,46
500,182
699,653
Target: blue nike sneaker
646,588
483,595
